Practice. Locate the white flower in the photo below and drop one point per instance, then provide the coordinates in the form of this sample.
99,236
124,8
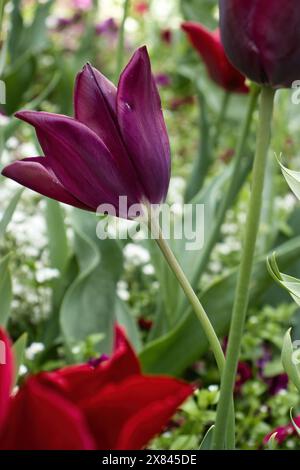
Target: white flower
33,350
148,269
46,274
122,290
136,254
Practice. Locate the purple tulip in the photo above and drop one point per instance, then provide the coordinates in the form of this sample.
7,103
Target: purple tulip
117,144
261,39
107,27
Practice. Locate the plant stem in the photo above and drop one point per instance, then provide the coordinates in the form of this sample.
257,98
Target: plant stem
197,307
244,277
226,201
202,161
2,3
221,118
121,40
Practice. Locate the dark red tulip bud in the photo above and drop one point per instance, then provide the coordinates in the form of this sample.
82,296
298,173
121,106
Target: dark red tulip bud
209,47
262,39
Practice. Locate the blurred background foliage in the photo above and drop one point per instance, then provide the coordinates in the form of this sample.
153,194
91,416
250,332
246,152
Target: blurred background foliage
65,288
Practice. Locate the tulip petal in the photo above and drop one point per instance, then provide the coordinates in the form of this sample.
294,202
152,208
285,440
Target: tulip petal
6,374
36,173
210,48
81,383
80,160
41,419
142,126
128,415
95,101
95,106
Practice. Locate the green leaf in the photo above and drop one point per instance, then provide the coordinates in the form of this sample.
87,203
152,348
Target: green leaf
272,442
207,440
5,290
18,351
57,237
16,30
199,10
289,283
186,342
88,306
292,178
290,360
126,319
9,212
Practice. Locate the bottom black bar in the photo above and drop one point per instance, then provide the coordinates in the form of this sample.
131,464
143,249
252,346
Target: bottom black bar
136,459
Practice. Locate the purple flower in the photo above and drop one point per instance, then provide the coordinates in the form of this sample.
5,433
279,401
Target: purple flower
117,144
276,383
162,79
82,4
107,27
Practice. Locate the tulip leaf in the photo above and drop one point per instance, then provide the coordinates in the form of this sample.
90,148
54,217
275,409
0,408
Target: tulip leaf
186,342
289,283
272,442
88,306
292,178
5,290
9,212
291,359
57,237
18,350
207,440
126,319
203,9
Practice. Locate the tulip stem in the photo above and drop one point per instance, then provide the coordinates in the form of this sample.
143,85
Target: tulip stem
197,307
221,117
244,277
229,195
121,40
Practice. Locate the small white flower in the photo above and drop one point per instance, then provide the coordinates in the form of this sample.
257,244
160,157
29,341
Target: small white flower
33,350
148,269
136,254
23,369
122,290
46,274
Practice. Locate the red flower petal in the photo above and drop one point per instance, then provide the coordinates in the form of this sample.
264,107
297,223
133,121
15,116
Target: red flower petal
41,419
6,374
126,416
211,50
81,383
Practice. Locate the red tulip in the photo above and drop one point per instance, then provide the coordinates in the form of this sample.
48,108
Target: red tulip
283,432
209,47
261,39
109,406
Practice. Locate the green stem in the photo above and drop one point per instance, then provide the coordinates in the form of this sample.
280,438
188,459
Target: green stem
2,2
197,307
221,118
203,160
244,277
121,40
226,201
